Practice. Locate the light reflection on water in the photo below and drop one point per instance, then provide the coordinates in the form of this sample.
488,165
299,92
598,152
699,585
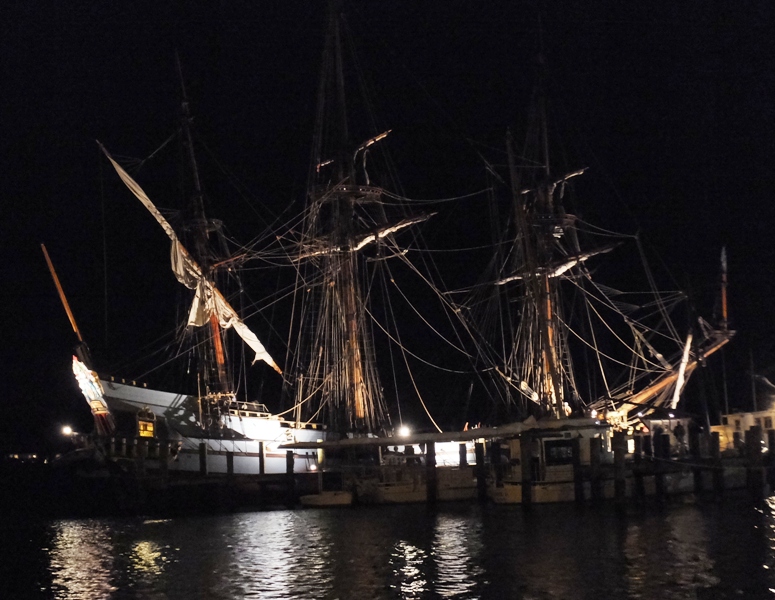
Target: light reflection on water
464,552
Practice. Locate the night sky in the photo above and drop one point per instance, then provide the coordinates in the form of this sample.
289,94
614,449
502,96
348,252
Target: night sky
669,104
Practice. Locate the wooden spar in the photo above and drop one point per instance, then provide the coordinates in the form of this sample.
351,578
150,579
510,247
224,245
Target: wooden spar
220,357
642,397
724,322
550,353
103,419
61,292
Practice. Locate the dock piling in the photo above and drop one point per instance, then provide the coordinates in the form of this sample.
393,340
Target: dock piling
481,474
431,479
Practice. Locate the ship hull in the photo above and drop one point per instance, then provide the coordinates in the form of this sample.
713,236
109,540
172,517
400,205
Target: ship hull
247,443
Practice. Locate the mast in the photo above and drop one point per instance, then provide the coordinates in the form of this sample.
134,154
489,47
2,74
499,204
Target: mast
346,226
724,321
218,382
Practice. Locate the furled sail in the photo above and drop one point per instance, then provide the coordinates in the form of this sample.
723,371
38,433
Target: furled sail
208,301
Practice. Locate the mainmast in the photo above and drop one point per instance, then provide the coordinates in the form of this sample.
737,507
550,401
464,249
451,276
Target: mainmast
345,217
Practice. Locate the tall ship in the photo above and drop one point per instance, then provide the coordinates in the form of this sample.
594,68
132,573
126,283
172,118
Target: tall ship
211,425
568,356
554,340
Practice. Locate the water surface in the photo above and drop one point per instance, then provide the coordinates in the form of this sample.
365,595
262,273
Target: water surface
687,551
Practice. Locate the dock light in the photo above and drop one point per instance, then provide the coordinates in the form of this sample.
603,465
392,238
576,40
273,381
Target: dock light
67,430
404,431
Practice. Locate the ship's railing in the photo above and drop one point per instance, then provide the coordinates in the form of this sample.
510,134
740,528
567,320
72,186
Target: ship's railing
260,411
249,409
138,447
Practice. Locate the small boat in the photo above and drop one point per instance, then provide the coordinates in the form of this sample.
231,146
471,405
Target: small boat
327,498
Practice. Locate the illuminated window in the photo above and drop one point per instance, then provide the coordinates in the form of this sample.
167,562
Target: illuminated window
145,428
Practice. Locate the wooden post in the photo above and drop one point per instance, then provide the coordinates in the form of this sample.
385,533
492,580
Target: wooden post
578,475
463,455
481,475
640,490
595,475
695,455
620,452
431,481
648,447
718,469
697,476
164,453
142,453
230,464
290,480
694,443
771,458
662,454
261,458
202,458
526,459
495,461
754,471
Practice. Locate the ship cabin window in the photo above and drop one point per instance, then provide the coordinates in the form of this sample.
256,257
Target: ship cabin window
145,428
724,421
758,421
737,424
558,452
768,422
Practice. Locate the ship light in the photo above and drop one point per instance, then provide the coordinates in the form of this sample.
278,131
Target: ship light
593,414
404,431
67,430
313,467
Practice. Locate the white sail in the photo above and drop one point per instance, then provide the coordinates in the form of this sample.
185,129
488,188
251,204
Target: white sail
208,300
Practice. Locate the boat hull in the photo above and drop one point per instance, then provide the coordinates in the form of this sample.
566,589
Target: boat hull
248,442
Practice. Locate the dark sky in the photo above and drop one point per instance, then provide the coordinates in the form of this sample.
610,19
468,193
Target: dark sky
669,104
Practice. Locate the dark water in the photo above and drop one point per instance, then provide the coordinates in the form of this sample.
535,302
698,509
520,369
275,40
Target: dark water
682,551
